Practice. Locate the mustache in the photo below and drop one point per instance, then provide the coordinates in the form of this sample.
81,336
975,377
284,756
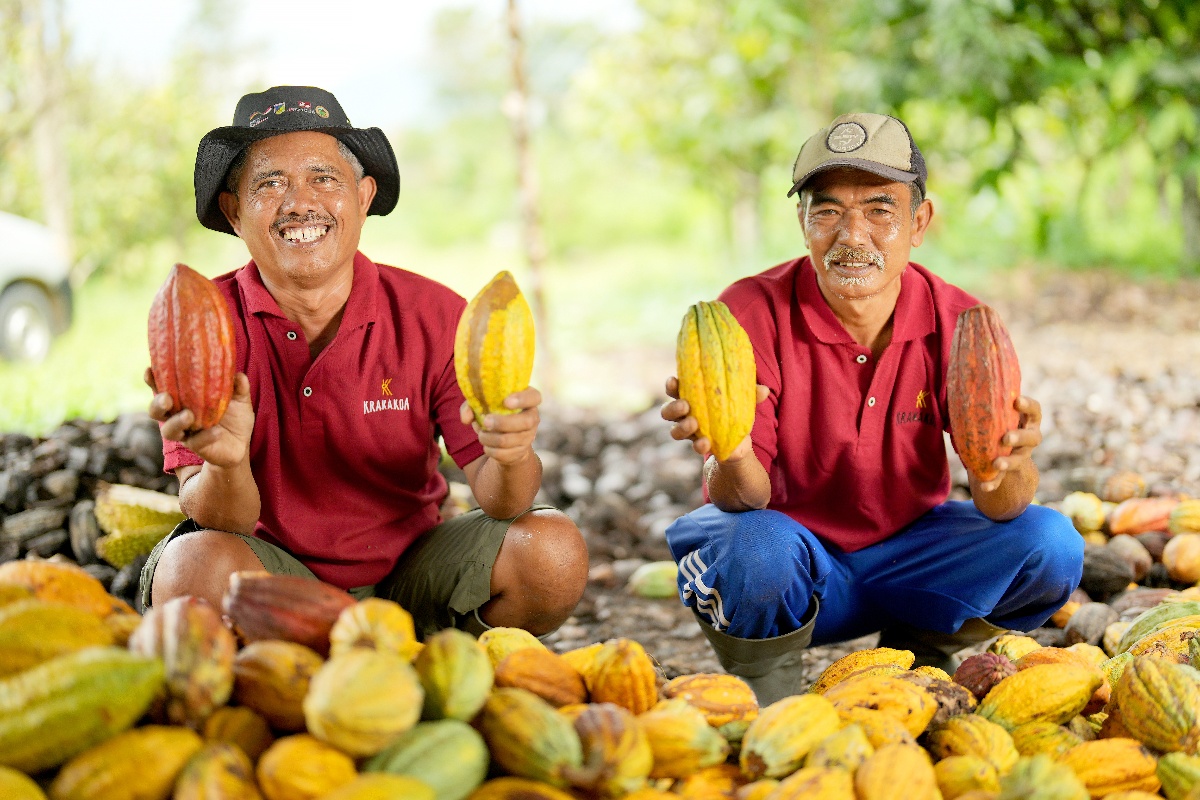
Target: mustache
306,219
854,254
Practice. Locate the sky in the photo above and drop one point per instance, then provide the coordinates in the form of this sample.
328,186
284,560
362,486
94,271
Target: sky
369,53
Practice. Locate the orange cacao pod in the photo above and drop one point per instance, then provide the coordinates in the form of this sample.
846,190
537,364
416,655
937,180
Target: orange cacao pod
623,674
1181,556
288,607
302,767
982,385
727,701
544,673
1141,515
192,351
272,678
241,727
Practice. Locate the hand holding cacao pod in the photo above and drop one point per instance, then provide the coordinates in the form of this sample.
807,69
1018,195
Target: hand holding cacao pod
982,386
192,350
493,347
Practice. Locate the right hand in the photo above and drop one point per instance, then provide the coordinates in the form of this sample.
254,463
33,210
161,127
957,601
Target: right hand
686,426
227,443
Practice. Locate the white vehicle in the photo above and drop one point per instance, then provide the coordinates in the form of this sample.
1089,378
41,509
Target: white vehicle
35,296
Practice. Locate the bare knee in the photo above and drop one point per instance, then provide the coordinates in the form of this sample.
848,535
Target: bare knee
540,572
199,564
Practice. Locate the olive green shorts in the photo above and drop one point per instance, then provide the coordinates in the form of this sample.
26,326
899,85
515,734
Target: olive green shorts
441,579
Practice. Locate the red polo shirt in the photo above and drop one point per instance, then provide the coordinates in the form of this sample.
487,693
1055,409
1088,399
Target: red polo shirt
344,448
853,444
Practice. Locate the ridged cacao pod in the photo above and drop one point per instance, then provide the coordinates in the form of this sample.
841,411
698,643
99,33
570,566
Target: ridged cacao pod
778,741
1155,618
881,729
500,641
1181,556
1160,704
1185,518
1179,774
1053,740
362,700
727,701
846,749
455,673
616,753
980,672
761,789
1171,642
894,766
32,632
846,665
302,767
16,785
715,363
197,650
382,787
288,607
56,582
906,701
219,770
982,386
972,735
681,739
376,623
62,707
528,738
135,520
192,349
448,755
622,673
1113,765
952,699
272,678
494,346
1013,645
1041,778
957,775
1051,655
241,727
545,674
1142,514
817,783
1049,692
510,788
1114,668
1123,485
138,764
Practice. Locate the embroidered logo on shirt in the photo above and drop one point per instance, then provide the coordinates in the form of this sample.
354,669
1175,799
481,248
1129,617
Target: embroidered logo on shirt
922,396
386,383
922,415
388,403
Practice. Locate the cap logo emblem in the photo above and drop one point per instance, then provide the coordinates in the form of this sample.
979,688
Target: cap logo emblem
321,112
846,137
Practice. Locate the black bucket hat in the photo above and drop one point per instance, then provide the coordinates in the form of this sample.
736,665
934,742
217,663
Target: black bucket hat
286,109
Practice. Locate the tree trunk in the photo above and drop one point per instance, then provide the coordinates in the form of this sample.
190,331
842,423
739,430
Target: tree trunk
746,221
1189,210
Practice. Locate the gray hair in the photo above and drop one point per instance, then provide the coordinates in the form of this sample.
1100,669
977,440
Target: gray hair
234,176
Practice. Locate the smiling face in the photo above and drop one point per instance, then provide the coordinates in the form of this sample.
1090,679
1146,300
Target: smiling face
859,228
299,208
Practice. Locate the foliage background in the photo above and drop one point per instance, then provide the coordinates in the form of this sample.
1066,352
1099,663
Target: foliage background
1060,134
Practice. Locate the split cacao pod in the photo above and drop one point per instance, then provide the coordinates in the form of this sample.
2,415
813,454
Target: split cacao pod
715,363
287,607
777,742
494,346
139,763
219,770
192,349
448,755
982,386
302,767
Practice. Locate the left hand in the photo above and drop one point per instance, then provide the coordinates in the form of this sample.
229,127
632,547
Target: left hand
508,438
1023,440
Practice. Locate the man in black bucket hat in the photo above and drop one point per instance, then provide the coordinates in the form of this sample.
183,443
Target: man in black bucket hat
326,462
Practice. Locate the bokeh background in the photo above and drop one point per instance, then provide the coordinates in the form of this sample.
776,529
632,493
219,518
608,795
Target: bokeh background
1061,135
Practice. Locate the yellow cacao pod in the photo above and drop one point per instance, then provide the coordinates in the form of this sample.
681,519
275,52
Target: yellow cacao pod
711,783
500,641
715,363
1160,704
456,674
1049,692
219,770
1048,738
906,701
302,767
816,783
272,677
846,749
494,345
681,739
582,659
894,766
1156,618
545,674
623,674
727,701
528,738
139,764
957,775
1181,556
1013,646
55,582
16,785
382,787
616,753
1113,765
777,742
761,789
972,735
33,631
242,727
844,666
1084,509
378,624
881,729
510,788
1185,518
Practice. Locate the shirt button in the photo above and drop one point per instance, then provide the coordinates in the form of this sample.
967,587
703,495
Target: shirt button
308,393
861,359
291,335
870,400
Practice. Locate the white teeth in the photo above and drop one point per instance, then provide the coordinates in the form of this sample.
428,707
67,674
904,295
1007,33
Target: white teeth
306,234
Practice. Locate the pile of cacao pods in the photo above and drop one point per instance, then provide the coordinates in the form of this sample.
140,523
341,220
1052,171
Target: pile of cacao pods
293,689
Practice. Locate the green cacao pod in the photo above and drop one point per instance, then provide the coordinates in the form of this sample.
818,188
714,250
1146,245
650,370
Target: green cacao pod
494,346
456,674
528,738
448,755
715,362
192,349
1041,778
1179,773
982,386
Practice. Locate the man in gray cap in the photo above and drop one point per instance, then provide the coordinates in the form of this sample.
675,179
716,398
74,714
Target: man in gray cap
325,463
831,521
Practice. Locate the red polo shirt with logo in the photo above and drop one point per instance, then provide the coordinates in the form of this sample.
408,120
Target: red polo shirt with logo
853,444
344,448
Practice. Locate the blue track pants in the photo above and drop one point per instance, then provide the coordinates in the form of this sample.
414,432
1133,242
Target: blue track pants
752,574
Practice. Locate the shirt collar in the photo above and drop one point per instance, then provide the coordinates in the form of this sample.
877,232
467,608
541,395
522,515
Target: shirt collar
360,306
914,314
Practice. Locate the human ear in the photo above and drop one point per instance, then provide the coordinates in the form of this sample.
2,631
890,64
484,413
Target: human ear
921,222
228,203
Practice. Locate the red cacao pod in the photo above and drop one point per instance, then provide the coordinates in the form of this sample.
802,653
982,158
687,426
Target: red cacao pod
192,351
287,607
1142,515
982,386
980,672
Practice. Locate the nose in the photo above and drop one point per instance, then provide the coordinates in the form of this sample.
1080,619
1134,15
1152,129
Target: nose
301,197
852,228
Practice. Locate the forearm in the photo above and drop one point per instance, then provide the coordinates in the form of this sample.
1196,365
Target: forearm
221,498
505,490
1010,499
741,485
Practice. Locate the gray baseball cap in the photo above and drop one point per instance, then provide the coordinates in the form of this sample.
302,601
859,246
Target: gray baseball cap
875,143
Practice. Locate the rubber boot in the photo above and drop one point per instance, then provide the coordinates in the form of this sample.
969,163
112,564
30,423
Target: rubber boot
772,667
937,649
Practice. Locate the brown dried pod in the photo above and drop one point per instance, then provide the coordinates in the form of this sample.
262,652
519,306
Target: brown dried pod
1134,554
1088,623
